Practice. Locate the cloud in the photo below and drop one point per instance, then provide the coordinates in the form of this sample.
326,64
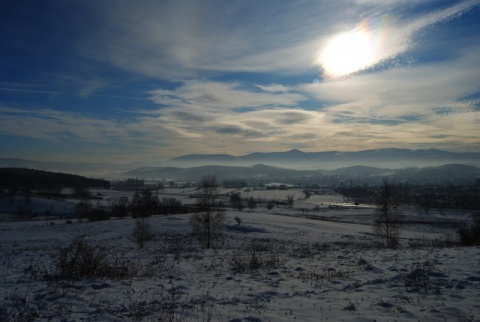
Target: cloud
178,40
221,95
408,105
405,106
428,84
55,126
275,88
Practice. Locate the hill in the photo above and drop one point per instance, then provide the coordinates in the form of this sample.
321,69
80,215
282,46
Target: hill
39,179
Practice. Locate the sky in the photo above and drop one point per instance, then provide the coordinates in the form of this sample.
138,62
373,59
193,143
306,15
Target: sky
123,81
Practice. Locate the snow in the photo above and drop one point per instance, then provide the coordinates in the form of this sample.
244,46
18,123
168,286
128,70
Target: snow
317,266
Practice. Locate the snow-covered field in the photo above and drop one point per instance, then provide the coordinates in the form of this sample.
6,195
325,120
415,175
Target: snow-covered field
278,265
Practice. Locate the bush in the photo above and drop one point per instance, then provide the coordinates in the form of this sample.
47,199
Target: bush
470,235
144,204
238,220
170,206
177,243
256,255
79,259
447,240
253,261
236,201
270,205
423,277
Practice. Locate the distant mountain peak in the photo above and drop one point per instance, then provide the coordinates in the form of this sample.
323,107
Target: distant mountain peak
295,151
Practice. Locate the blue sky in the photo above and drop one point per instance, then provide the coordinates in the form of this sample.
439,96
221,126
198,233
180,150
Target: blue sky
122,81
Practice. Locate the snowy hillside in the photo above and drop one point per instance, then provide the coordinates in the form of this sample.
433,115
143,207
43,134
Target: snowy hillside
275,266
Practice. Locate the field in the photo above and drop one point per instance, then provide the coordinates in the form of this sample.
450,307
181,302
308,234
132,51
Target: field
282,264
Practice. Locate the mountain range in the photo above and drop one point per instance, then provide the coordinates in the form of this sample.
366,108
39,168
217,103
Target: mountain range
296,159
293,159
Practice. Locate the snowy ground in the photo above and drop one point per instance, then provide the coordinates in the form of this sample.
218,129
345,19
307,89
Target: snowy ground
278,265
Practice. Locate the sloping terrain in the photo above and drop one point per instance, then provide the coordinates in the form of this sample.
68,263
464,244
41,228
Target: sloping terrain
269,268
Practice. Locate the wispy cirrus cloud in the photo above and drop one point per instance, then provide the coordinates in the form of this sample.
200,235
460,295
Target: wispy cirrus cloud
178,40
226,95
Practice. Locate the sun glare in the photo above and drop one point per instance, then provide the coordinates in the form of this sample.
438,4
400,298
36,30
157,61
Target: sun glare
348,53
371,41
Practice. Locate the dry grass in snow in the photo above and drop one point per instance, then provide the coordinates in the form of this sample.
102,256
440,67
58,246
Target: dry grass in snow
272,267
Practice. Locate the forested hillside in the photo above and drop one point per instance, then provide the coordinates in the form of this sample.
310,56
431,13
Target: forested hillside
38,179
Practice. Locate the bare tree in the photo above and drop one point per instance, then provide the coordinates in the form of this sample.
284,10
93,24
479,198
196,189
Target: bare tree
290,201
389,219
142,231
119,206
83,208
251,203
208,223
236,201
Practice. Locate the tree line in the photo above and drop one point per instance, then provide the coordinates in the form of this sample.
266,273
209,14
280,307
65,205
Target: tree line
27,180
142,205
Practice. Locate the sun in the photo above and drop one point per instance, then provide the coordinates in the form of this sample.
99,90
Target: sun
347,53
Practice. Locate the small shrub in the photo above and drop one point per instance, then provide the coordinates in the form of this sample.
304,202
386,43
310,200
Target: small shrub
447,240
306,249
253,261
255,256
259,246
318,274
366,264
270,205
423,277
79,260
470,235
238,220
177,243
